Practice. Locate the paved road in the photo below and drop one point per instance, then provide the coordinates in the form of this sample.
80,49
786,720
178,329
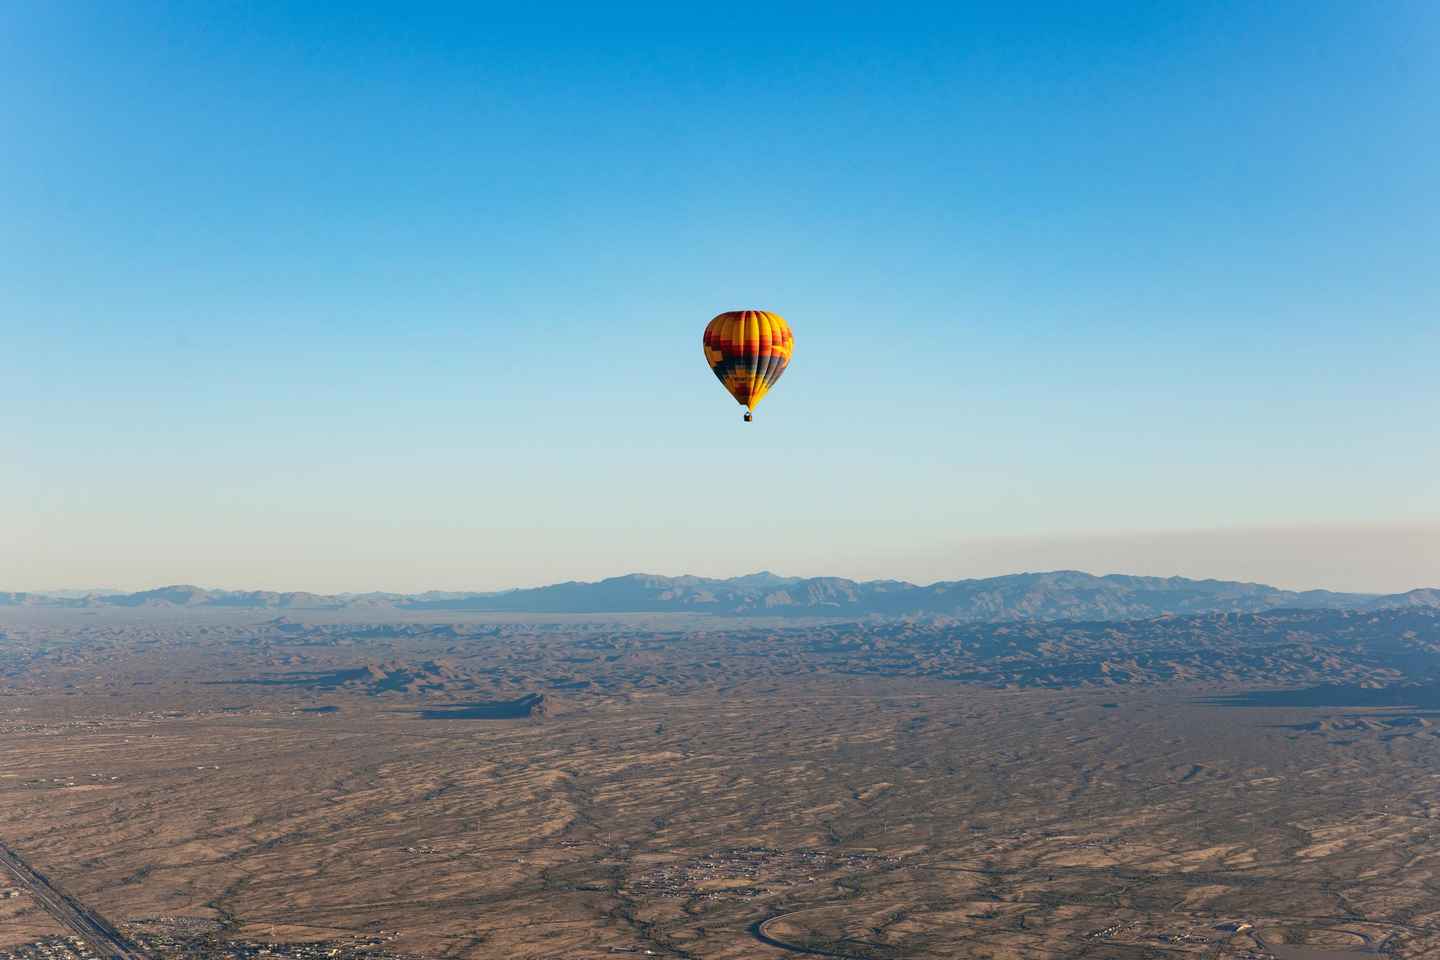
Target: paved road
86,924
759,932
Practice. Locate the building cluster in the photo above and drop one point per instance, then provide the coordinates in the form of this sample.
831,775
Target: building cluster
180,944
746,872
51,948
1182,938
1135,930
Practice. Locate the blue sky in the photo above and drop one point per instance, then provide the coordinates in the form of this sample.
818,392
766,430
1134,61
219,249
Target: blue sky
341,296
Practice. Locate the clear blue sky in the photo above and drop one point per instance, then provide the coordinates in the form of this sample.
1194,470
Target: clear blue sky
352,296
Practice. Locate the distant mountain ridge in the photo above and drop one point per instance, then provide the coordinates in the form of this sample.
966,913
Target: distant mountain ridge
1057,595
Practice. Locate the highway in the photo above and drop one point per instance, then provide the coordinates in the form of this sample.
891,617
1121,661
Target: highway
85,923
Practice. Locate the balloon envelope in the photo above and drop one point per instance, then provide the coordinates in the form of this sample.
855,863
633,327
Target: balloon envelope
748,350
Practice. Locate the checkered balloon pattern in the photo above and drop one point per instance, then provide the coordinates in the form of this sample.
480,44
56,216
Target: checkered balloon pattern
748,350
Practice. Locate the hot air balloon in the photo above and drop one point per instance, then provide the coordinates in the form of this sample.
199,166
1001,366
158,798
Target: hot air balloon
748,350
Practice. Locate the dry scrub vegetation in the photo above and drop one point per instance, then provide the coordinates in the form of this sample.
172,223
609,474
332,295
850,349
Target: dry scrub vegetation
669,792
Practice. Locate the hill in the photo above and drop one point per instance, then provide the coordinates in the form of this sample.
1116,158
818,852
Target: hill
1058,595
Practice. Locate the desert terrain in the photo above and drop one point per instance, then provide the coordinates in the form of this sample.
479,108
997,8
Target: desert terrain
411,784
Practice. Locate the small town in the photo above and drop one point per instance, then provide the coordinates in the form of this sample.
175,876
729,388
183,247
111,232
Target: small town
747,872
180,946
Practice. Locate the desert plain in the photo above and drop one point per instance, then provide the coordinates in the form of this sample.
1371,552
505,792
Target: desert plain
239,784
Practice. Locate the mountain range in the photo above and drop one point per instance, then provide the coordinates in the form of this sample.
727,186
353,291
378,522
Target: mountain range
1057,595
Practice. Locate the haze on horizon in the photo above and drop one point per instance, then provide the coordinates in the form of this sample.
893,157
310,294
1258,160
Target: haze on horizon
1358,560
348,301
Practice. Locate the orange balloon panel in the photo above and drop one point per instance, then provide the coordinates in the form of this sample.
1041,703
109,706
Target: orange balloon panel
748,350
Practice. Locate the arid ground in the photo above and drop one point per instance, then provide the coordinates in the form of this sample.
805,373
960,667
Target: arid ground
587,788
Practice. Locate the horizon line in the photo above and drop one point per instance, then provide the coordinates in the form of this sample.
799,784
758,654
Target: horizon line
80,593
